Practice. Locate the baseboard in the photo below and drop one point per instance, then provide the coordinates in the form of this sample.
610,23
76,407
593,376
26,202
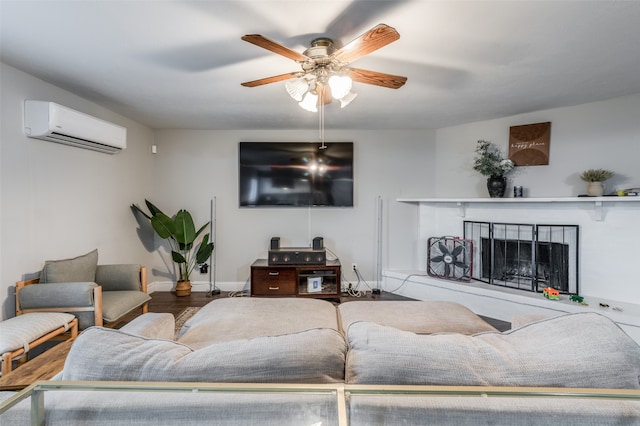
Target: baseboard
196,286
234,286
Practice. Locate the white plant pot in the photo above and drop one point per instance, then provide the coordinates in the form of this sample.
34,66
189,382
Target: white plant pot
595,189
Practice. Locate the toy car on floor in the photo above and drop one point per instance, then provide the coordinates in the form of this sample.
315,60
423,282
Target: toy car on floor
551,293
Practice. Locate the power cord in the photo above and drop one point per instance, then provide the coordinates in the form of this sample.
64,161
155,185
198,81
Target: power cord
405,281
354,290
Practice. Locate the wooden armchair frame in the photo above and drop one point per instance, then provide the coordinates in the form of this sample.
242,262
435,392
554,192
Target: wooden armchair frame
97,300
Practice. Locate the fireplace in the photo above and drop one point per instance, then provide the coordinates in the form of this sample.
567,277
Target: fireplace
525,256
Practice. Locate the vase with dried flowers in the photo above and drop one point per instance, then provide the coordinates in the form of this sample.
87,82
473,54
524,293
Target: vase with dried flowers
595,181
490,162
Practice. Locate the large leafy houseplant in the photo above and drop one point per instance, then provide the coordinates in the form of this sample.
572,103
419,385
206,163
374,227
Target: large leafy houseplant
181,233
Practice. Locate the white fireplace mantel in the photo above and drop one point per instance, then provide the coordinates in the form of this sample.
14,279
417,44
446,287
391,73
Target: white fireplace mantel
598,202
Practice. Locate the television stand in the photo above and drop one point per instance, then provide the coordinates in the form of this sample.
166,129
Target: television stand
317,281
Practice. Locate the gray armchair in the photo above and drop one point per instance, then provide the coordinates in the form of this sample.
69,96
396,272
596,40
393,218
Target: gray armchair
96,294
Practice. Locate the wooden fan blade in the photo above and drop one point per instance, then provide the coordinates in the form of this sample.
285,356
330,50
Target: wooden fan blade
274,79
274,47
377,78
377,37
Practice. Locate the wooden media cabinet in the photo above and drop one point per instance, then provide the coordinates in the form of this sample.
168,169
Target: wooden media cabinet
320,281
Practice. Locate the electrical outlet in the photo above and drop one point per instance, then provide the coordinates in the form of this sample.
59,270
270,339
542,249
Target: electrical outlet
354,266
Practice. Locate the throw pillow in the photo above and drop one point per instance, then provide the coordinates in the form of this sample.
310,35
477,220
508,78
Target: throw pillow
77,269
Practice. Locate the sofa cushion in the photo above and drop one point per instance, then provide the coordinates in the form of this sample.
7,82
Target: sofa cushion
312,356
18,332
116,304
118,277
523,319
153,325
422,317
575,350
77,269
57,295
248,317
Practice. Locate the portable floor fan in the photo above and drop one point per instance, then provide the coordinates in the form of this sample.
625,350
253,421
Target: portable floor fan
450,258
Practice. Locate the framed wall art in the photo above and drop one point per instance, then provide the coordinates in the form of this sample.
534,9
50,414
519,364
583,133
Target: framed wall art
529,144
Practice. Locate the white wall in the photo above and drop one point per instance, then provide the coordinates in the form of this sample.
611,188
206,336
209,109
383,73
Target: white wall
597,135
58,201
193,166
602,134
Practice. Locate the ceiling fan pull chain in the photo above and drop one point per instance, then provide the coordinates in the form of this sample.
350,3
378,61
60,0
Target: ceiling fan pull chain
321,119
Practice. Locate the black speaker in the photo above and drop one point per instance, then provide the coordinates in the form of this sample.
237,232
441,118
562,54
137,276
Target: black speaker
318,243
297,256
275,243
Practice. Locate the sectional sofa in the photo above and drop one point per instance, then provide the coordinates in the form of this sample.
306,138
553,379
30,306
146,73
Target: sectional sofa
301,341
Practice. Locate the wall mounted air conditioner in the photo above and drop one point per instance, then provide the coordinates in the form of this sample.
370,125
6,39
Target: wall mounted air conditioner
56,123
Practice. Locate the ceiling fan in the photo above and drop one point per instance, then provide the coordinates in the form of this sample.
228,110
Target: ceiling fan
326,72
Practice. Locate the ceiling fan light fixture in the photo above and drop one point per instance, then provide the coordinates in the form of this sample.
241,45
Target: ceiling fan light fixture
309,102
346,99
297,88
325,68
340,85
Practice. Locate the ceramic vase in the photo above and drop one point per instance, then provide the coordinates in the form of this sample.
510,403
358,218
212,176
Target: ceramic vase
595,189
496,185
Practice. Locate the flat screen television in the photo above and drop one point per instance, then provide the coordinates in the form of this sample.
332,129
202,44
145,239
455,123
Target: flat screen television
296,174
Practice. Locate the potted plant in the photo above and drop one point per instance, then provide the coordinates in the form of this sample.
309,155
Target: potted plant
490,162
595,181
181,233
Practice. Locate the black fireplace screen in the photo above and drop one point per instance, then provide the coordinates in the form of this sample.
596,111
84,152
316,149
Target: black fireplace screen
525,256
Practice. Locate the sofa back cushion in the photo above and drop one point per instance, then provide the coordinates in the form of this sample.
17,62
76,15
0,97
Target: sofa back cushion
577,350
312,356
122,277
234,318
417,316
77,269
153,325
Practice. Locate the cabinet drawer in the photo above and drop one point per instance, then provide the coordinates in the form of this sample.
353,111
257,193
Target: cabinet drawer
284,288
275,281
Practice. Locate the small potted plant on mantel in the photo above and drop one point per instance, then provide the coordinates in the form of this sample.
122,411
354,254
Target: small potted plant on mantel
490,162
595,181
181,233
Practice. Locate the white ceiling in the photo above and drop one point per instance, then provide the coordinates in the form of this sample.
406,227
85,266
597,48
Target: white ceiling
178,64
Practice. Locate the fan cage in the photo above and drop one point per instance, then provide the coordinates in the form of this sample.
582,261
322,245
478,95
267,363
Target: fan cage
437,268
